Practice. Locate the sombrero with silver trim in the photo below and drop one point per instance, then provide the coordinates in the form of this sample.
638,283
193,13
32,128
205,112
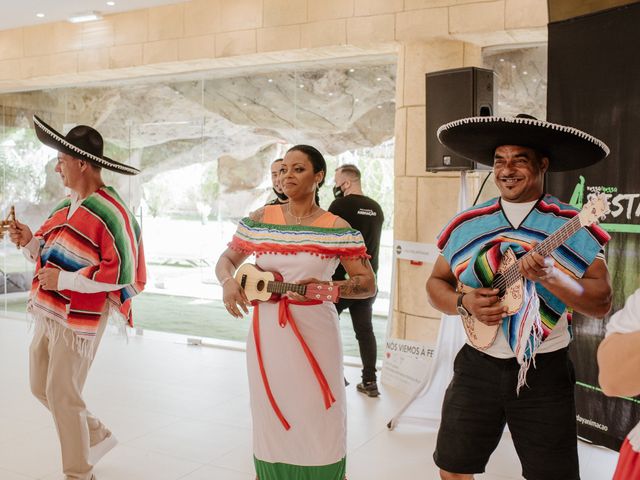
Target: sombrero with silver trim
82,142
477,138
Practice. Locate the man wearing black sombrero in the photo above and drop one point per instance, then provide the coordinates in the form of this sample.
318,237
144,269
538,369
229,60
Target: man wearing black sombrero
522,376
89,264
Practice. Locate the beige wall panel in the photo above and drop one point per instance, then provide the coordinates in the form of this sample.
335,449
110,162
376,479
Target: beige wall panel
201,17
192,48
66,37
416,142
235,43
160,52
93,60
400,66
284,12
412,294
130,27
405,197
166,22
425,24
124,56
365,30
377,7
526,13
240,14
279,38
472,55
320,34
400,133
421,4
37,40
34,67
398,325
63,63
421,58
422,329
10,69
98,34
437,204
477,17
11,44
329,9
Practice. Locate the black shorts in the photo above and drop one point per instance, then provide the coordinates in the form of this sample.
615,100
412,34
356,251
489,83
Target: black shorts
481,398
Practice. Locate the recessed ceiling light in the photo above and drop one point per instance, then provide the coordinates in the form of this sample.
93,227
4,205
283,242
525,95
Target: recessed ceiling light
502,59
301,86
270,80
378,79
379,106
525,72
111,4
331,94
352,70
84,17
40,15
357,100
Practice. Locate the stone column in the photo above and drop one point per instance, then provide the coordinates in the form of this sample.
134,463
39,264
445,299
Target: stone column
424,202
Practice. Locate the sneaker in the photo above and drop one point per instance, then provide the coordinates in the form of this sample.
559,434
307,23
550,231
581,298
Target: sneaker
99,450
368,388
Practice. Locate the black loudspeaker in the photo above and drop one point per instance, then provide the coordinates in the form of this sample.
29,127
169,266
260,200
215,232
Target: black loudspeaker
454,94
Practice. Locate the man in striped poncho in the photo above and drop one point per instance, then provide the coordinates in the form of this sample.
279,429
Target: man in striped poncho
524,378
89,264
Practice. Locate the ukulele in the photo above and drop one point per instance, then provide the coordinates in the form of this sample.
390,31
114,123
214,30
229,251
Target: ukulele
510,282
262,286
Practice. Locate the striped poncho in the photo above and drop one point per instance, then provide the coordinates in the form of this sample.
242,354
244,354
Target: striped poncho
102,242
256,237
473,242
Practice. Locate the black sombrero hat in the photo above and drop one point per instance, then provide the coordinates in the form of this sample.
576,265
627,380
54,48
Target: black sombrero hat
567,148
82,142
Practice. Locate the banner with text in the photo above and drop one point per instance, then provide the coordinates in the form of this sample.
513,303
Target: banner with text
594,85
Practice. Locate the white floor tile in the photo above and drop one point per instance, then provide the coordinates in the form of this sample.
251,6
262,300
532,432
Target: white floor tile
210,473
182,413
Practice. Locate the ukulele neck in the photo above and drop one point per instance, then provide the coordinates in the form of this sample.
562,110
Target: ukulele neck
283,287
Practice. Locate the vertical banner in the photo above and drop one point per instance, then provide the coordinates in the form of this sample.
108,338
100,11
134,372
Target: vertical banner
594,85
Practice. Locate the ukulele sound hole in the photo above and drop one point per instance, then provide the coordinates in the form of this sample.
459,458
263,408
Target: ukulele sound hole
260,285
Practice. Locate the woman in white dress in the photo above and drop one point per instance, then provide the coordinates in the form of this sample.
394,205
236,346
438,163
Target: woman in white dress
294,351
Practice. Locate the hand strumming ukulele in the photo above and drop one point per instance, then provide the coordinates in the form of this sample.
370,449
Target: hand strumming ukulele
262,286
509,281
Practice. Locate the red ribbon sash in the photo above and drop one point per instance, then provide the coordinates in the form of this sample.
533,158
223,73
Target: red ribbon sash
284,318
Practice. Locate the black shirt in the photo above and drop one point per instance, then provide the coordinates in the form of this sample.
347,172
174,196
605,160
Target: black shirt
363,214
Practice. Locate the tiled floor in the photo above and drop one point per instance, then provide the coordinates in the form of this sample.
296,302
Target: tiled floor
182,412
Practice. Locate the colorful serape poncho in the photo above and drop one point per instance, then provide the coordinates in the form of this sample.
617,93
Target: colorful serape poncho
102,241
475,240
255,237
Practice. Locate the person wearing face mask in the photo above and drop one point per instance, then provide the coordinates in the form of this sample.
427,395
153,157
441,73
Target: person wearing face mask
363,214
281,197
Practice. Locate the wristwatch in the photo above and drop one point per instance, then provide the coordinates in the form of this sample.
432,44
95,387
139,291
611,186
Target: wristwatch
464,313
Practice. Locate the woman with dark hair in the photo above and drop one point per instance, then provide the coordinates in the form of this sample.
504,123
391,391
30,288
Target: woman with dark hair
294,351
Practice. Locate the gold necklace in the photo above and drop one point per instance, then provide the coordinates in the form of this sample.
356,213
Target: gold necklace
299,219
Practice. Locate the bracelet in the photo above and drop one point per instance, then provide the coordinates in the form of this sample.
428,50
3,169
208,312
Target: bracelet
225,281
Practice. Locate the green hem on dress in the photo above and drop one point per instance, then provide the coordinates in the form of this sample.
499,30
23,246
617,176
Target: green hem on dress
286,471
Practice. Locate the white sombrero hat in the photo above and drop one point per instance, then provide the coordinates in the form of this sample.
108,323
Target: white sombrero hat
82,142
477,138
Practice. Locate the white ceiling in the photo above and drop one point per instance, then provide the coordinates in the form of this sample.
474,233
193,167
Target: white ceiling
20,13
